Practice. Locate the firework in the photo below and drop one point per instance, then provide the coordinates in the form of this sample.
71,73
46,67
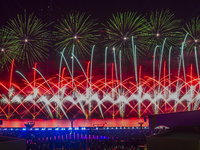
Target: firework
163,25
193,30
121,28
6,50
76,29
30,38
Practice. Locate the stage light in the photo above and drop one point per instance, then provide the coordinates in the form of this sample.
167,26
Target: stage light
112,128
5,128
116,128
56,129
36,129
24,129
62,128
43,129
133,128
83,128
11,129
128,127
97,128
49,128
69,128
107,128
136,127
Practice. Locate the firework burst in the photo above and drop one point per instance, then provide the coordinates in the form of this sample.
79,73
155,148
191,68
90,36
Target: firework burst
193,30
163,25
76,29
30,38
6,50
121,28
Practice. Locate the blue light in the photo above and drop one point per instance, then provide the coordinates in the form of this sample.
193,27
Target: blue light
128,127
49,128
5,128
69,128
145,127
124,127
97,128
112,128
76,128
24,129
83,128
107,128
62,128
11,129
116,128
31,129
56,129
36,129
136,127
43,129
132,127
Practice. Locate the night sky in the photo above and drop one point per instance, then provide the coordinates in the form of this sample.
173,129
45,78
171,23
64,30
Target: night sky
51,10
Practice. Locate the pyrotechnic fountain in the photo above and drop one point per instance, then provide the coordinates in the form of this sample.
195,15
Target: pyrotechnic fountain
69,96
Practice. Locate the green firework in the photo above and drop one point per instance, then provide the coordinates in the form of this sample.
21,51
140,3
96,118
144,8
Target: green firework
6,50
76,29
161,25
121,28
193,39
30,37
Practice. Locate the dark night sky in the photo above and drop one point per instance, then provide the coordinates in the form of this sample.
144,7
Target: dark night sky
99,9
